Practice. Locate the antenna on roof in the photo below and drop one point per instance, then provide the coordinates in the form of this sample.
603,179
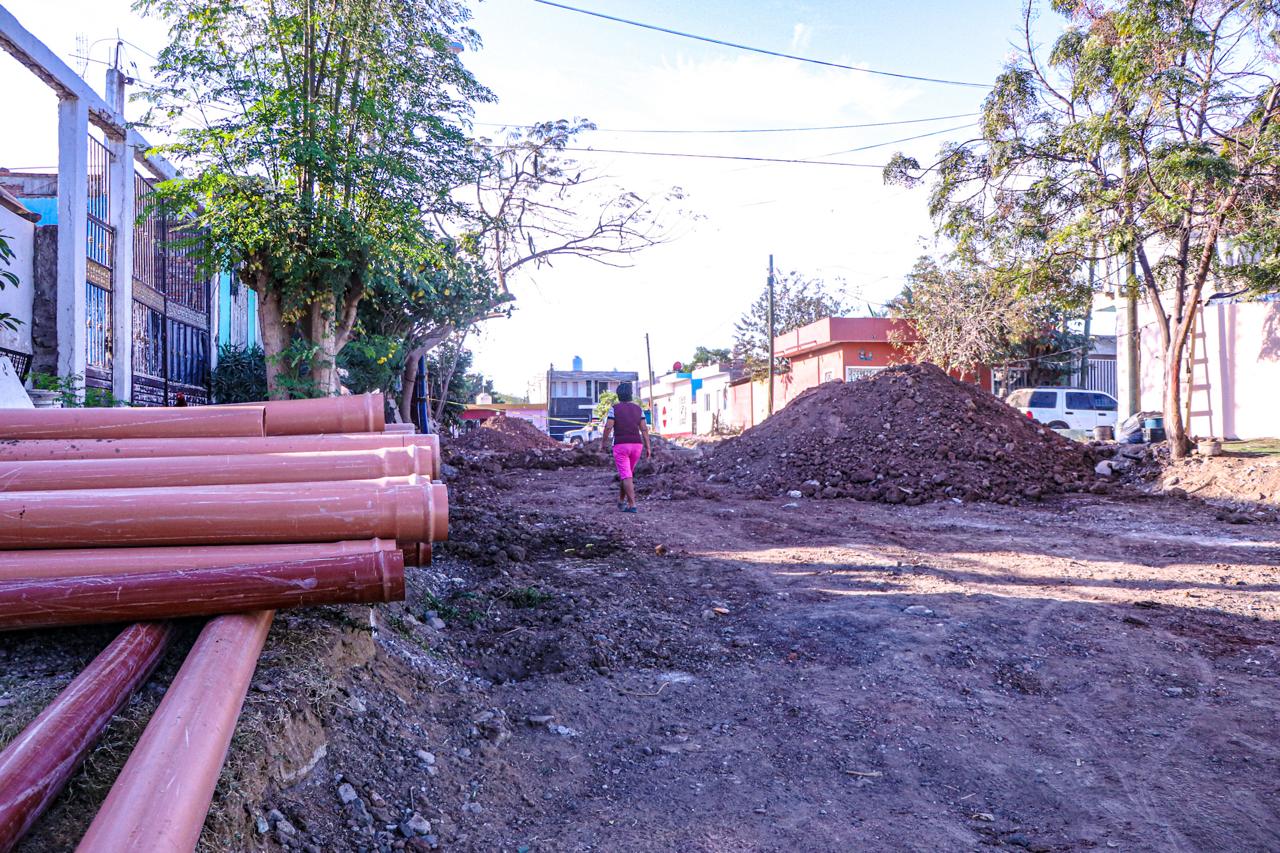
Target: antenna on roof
82,54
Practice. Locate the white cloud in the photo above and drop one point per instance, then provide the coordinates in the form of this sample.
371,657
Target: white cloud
801,35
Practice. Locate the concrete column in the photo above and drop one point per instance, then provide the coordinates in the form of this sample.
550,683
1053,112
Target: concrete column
121,217
73,230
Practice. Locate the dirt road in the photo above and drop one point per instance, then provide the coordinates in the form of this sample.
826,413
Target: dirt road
1084,673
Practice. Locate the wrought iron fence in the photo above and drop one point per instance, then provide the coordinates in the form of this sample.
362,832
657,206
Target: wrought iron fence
98,321
148,341
101,247
145,234
188,354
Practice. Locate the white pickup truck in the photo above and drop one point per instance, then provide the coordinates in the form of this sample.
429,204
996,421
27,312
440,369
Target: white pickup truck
579,437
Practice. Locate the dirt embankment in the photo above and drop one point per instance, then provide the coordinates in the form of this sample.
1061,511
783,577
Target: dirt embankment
504,435
906,435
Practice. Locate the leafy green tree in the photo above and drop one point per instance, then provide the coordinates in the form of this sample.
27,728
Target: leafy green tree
1146,139
411,311
960,317
448,387
604,404
798,301
704,356
318,138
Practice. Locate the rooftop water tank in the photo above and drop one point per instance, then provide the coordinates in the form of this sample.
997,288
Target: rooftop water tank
577,362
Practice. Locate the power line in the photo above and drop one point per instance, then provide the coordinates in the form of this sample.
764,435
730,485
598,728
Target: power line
759,50
747,130
896,141
724,157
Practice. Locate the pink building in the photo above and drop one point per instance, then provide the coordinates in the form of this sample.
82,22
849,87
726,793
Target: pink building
1235,369
834,348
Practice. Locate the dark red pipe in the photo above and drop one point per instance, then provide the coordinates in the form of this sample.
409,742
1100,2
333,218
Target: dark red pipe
49,563
377,577
36,765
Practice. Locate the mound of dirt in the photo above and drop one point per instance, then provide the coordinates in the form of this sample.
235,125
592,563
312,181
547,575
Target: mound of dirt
506,435
905,435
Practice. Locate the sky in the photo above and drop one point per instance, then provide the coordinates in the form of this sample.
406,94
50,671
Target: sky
840,224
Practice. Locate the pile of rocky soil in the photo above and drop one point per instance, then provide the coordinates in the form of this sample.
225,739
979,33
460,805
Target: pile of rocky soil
908,434
505,435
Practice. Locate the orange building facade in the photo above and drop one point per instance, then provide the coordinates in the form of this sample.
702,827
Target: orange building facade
834,348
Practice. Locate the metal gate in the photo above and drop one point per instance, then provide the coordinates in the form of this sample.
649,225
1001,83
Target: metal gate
100,269
171,309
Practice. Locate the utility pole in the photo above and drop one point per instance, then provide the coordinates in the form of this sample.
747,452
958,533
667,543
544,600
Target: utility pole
770,323
653,415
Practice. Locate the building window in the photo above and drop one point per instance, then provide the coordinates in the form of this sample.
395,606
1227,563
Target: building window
854,373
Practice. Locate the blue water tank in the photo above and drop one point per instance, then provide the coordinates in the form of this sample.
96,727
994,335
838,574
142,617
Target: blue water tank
577,362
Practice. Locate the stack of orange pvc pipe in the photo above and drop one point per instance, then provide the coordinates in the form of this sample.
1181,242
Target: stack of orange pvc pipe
231,512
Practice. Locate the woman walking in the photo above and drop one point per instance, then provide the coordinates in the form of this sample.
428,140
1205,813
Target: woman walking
630,434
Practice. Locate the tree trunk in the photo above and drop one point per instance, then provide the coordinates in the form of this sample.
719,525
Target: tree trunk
323,335
408,379
447,379
275,339
1174,426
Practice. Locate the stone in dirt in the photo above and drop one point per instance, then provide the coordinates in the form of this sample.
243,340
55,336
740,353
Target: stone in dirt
908,434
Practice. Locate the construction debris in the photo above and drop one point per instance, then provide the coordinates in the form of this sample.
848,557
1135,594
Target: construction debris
502,434
908,434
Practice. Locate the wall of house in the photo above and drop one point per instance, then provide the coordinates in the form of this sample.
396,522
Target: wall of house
19,232
1236,372
675,411
713,404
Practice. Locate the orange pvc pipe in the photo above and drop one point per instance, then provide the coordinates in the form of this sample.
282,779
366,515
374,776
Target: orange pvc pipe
131,423
128,448
217,470
376,577
351,413
161,797
403,508
36,765
74,562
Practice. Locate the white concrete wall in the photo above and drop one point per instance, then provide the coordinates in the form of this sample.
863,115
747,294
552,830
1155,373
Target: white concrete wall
1236,371
712,404
19,233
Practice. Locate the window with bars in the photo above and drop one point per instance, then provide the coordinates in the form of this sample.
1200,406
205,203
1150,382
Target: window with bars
854,373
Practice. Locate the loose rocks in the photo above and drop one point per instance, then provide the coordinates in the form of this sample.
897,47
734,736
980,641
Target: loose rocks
905,435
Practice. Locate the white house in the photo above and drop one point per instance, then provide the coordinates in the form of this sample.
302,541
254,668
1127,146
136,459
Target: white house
18,228
710,389
1235,368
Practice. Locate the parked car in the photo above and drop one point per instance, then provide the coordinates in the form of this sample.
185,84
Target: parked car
1065,408
578,437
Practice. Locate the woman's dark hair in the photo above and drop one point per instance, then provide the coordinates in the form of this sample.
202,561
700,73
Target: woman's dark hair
624,392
